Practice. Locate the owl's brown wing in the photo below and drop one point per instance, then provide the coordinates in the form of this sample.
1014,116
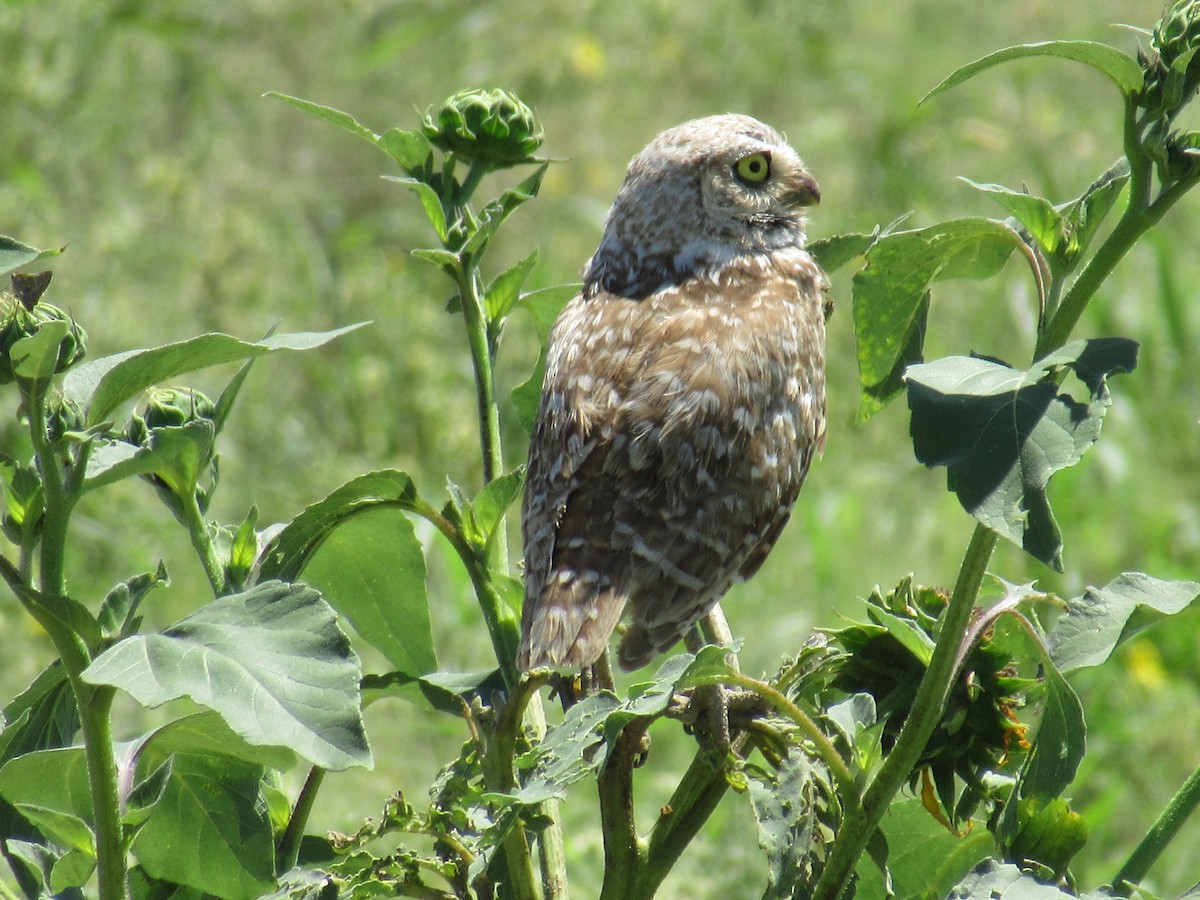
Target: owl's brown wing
672,438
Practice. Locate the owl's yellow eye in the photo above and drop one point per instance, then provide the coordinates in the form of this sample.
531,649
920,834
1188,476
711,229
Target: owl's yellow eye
753,169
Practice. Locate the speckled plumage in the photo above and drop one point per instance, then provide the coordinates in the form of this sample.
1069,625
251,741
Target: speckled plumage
683,402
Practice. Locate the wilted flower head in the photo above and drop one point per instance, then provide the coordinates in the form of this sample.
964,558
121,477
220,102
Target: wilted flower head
494,127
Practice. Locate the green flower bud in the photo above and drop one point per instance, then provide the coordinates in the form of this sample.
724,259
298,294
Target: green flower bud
1173,63
168,407
17,322
64,416
488,126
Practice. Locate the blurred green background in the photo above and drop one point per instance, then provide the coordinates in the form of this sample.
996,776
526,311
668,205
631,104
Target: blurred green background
135,134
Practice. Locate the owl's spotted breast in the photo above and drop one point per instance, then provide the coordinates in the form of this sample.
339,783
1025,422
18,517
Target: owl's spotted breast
674,434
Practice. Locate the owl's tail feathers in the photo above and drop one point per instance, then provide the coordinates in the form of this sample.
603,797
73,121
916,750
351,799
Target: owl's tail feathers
568,625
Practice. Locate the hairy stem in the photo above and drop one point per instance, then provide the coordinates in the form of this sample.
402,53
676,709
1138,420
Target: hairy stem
859,824
203,543
95,705
1161,833
288,851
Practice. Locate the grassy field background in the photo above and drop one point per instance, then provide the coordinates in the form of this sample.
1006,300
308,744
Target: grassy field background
135,133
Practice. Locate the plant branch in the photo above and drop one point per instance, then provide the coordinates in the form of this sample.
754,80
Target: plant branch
624,851
1161,833
288,851
1141,214
859,824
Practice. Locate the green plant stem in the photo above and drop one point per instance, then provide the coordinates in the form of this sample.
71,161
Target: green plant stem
1141,214
48,607
624,851
684,814
58,503
288,851
95,706
859,824
475,320
202,542
1161,833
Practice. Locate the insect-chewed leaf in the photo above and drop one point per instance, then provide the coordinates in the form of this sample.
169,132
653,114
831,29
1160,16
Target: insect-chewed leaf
788,806
1003,432
272,661
1097,622
1004,881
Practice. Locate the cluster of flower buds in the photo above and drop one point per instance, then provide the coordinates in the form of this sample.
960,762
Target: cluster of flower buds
491,127
1172,64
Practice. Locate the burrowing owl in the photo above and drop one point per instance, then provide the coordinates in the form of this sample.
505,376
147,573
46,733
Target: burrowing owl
684,397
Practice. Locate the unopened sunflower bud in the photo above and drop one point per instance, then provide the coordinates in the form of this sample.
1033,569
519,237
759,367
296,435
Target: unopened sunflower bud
488,126
1173,63
17,323
167,408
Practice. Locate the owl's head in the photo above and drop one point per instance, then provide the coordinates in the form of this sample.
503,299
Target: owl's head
699,195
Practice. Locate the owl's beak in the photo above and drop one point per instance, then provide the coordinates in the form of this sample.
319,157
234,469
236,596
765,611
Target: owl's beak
804,190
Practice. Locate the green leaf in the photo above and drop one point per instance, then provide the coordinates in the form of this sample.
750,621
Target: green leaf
832,253
42,716
571,750
495,212
448,692
786,804
1037,214
181,453
118,613
1004,881
327,114
430,202
1084,214
100,386
1122,68
409,148
51,789
504,291
206,734
1102,619
36,357
72,870
14,254
288,552
925,860
210,829
146,795
891,295
1050,834
243,550
481,516
1002,432
270,660
371,569
543,306
1059,744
